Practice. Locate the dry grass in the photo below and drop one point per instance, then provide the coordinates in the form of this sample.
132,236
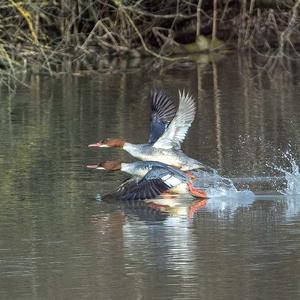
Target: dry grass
40,35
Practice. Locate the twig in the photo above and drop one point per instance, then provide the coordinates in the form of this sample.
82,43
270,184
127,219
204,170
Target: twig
214,29
198,29
141,37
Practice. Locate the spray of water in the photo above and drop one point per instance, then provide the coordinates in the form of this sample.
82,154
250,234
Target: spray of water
214,184
291,175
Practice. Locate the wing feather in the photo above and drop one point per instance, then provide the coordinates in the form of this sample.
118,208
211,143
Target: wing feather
155,182
145,189
162,112
179,126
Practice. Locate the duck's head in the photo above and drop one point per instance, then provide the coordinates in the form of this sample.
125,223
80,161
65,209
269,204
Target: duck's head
108,143
110,165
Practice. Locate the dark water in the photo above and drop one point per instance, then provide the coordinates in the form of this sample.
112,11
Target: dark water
58,242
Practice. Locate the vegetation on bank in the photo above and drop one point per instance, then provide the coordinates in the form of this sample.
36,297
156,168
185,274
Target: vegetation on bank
53,35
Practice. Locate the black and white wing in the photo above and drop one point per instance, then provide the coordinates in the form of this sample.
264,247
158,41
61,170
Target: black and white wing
179,126
162,112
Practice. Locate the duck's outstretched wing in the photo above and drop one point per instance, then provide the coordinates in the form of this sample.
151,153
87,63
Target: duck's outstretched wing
145,189
155,182
128,184
162,112
179,126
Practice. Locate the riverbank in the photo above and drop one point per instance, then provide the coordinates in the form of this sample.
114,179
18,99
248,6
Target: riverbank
58,36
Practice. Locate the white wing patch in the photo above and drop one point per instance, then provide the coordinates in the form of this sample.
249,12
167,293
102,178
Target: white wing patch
171,180
178,128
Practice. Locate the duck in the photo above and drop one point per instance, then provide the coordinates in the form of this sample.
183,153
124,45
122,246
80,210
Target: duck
151,179
167,132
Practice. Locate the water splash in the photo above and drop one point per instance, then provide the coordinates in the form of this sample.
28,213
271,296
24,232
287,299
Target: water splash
291,175
214,184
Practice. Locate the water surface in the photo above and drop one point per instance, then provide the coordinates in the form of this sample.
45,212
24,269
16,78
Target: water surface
58,242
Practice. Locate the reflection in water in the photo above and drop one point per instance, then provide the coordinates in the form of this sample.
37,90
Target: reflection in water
292,206
56,241
217,98
179,206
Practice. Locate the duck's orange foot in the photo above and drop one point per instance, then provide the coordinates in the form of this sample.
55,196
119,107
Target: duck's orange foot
196,192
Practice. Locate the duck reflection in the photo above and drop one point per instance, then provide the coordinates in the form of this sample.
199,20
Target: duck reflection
182,206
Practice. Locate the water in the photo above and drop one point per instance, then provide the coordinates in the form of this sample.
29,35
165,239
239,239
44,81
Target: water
58,241
214,185
291,175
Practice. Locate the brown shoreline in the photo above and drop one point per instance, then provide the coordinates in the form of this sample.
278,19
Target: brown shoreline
42,37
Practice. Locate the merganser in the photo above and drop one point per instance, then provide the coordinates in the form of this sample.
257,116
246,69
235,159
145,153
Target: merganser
151,178
164,144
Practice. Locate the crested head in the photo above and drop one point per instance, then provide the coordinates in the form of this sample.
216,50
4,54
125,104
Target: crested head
108,143
110,165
